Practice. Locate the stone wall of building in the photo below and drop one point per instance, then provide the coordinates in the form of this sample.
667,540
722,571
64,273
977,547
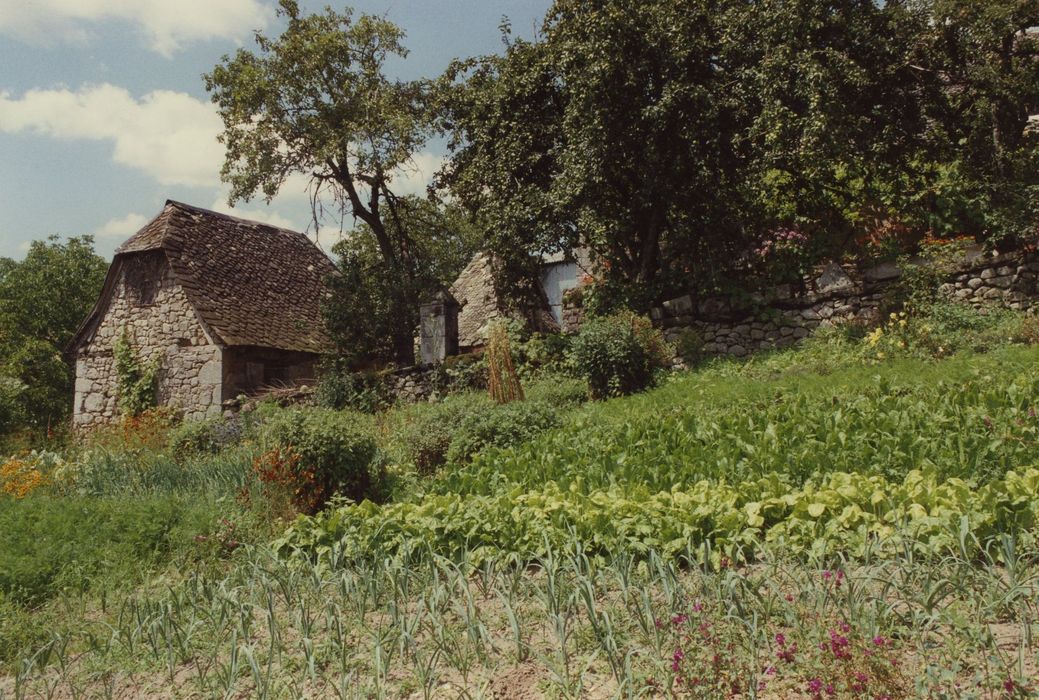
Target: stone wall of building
836,295
147,302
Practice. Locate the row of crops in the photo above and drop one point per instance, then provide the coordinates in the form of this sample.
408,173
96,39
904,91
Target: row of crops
922,452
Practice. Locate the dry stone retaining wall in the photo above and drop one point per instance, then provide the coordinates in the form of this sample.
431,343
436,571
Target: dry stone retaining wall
836,295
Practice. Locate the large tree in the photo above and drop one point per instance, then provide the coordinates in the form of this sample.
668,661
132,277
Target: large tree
982,61
43,299
832,108
614,131
316,101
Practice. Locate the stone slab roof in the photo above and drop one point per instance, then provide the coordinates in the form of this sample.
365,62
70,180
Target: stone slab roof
252,284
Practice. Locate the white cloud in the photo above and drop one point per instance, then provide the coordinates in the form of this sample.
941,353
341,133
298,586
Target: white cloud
170,136
166,25
121,227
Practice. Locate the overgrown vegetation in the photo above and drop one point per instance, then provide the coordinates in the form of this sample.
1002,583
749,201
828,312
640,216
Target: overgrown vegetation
43,299
755,526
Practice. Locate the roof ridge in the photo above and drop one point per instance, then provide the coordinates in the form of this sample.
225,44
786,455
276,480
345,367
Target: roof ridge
251,222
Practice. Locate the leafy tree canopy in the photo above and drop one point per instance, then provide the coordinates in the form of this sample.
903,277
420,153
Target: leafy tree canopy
43,299
370,305
676,140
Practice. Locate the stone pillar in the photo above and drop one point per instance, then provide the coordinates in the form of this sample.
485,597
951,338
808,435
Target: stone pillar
438,324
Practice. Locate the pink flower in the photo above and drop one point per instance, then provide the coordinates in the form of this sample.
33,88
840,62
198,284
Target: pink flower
879,641
781,639
679,619
814,686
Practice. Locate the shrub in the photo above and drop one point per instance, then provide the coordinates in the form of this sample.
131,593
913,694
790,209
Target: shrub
689,346
500,426
336,449
1027,331
558,390
541,352
918,284
341,388
460,373
424,434
618,354
205,437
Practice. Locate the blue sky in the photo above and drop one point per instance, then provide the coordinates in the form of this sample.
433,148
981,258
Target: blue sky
103,115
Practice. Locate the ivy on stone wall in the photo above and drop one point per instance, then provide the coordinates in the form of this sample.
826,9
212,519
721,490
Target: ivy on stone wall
135,378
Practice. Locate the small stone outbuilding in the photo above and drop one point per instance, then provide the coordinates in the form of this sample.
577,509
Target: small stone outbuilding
227,307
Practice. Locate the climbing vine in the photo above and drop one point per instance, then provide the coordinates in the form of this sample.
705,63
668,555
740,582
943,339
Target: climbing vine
135,379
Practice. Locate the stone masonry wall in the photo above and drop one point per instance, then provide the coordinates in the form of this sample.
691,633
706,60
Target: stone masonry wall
156,314
836,295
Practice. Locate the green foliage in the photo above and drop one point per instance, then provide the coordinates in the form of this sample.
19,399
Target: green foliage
848,513
618,354
373,310
559,390
340,387
459,373
502,426
337,451
540,353
316,101
11,405
135,378
968,417
55,544
43,299
205,437
689,346
917,286
422,433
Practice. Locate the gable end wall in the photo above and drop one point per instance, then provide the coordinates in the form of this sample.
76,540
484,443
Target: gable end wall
147,301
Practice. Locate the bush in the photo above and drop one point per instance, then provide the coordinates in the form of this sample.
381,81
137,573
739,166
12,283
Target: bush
205,437
618,354
689,346
341,388
337,453
426,431
541,352
459,373
558,390
500,426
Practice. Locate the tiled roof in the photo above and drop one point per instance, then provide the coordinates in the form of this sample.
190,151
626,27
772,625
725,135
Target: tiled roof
251,283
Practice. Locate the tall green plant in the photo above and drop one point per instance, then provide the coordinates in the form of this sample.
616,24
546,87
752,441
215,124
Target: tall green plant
135,378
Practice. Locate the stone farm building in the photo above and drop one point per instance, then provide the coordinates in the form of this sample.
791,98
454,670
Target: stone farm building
228,306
